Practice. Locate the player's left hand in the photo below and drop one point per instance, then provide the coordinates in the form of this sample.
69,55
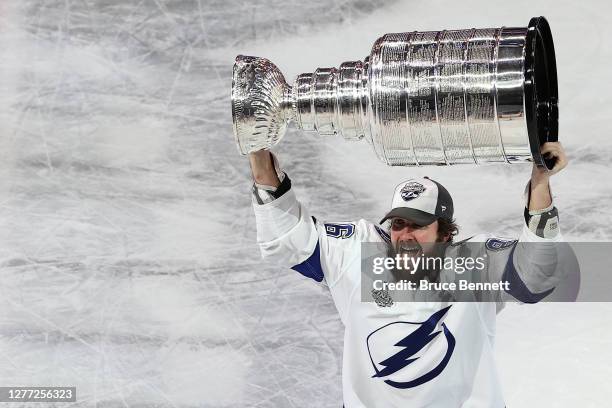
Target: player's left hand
550,150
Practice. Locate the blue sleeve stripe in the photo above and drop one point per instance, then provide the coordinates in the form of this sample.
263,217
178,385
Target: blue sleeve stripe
517,287
311,267
383,234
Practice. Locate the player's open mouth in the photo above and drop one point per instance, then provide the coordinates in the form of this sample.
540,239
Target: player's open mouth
408,248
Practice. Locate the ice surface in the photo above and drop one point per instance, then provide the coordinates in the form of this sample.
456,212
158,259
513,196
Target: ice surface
127,243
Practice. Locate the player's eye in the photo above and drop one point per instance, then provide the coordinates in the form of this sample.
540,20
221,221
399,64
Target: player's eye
398,224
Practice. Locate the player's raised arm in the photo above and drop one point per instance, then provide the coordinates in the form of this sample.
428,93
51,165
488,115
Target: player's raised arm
539,194
284,230
541,215
287,234
266,176
535,264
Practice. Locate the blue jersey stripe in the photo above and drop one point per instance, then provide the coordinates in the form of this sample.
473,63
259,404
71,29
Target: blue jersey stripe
386,237
311,267
518,289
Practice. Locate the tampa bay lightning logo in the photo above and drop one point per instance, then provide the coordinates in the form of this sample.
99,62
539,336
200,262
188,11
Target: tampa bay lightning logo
391,368
412,190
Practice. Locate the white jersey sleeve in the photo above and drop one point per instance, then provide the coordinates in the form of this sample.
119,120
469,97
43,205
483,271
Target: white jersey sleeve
288,235
532,265
535,263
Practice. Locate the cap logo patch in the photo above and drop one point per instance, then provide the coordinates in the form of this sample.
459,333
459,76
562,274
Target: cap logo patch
412,190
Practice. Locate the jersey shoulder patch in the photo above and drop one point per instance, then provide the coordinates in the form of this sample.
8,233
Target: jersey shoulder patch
339,230
499,244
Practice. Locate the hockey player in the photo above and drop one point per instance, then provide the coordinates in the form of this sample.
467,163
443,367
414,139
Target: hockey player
437,353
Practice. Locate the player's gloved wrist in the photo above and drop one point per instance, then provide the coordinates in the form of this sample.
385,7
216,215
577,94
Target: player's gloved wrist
543,222
542,211
263,194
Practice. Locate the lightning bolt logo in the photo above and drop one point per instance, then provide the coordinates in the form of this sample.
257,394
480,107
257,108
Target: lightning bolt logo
412,344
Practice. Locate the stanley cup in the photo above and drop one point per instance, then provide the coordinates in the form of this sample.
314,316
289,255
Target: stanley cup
419,98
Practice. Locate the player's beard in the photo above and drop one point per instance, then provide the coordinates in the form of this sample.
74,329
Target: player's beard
412,250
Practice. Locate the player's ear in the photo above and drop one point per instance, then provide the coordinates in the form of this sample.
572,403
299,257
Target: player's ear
446,230
445,238
442,236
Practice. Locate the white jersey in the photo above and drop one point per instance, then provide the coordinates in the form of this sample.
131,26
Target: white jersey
425,354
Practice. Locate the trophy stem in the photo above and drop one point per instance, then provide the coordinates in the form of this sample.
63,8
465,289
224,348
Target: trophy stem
333,100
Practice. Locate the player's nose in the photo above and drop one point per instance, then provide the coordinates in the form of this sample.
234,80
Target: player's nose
407,234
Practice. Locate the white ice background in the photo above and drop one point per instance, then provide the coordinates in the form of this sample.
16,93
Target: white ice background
128,264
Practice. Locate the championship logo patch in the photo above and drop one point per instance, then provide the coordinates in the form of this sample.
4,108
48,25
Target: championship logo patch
341,231
412,190
498,244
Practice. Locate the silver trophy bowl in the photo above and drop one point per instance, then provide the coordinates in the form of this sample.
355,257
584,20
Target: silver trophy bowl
419,98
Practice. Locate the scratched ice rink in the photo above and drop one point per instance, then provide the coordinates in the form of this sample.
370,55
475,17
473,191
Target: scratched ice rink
128,264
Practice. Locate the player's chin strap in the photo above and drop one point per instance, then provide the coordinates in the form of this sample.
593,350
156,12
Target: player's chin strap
545,222
264,194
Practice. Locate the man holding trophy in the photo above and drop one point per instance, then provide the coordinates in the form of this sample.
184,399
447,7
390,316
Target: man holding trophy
420,98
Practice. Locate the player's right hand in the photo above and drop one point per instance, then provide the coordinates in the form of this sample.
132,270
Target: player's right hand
263,168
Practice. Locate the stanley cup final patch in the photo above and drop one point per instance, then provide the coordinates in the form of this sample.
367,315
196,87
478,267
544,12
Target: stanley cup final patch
412,190
382,298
